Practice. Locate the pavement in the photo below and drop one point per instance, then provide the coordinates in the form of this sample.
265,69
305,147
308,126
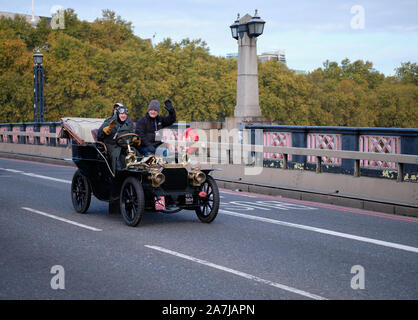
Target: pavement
258,248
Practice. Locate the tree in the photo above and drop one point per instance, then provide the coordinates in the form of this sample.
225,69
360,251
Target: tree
15,79
397,105
408,73
92,65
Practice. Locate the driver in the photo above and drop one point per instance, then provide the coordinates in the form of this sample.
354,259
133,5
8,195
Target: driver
112,128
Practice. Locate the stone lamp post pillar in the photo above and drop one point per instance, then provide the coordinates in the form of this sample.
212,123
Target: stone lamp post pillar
247,76
246,30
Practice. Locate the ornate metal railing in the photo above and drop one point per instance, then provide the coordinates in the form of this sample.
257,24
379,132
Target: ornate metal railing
387,141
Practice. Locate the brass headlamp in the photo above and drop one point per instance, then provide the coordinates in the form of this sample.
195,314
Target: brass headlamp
196,177
156,177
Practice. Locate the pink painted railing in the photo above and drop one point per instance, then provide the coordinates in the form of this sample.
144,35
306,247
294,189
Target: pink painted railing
380,144
277,139
327,142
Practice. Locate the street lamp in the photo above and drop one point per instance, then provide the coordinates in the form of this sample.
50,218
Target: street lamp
38,58
38,87
255,26
234,28
246,30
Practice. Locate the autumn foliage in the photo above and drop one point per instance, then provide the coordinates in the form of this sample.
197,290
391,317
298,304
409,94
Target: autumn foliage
91,65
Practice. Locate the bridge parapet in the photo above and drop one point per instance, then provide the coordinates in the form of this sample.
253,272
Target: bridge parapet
374,152
390,141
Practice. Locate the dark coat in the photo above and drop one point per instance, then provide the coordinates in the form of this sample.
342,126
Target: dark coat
110,139
147,126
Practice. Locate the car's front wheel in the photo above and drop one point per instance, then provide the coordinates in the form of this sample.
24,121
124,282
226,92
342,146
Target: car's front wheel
209,203
132,201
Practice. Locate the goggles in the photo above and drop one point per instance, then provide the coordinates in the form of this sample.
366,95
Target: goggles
122,110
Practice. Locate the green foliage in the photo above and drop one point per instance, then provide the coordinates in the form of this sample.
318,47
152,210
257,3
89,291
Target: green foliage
408,73
91,65
355,94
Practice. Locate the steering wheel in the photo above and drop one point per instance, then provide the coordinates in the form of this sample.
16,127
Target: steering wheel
125,139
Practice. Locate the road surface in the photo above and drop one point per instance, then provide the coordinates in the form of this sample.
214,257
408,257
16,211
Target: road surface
259,247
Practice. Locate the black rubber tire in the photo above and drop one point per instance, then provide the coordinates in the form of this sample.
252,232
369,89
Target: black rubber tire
132,201
209,205
80,192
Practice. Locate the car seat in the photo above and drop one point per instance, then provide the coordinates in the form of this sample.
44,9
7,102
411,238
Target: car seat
99,144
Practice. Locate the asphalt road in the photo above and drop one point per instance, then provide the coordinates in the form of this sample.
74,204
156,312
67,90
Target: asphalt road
259,247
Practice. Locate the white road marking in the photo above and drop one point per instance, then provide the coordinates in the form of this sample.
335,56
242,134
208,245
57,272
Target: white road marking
37,175
238,273
61,219
245,205
46,177
13,170
323,231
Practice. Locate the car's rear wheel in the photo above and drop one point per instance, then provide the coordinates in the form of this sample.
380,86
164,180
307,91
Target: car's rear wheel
209,204
132,201
80,192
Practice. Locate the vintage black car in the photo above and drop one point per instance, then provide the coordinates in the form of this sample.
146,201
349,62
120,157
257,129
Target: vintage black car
147,183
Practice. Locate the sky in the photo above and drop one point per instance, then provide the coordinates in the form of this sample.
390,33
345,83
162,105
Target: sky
309,31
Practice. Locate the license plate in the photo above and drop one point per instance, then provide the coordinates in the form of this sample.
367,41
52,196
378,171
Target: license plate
188,198
160,203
